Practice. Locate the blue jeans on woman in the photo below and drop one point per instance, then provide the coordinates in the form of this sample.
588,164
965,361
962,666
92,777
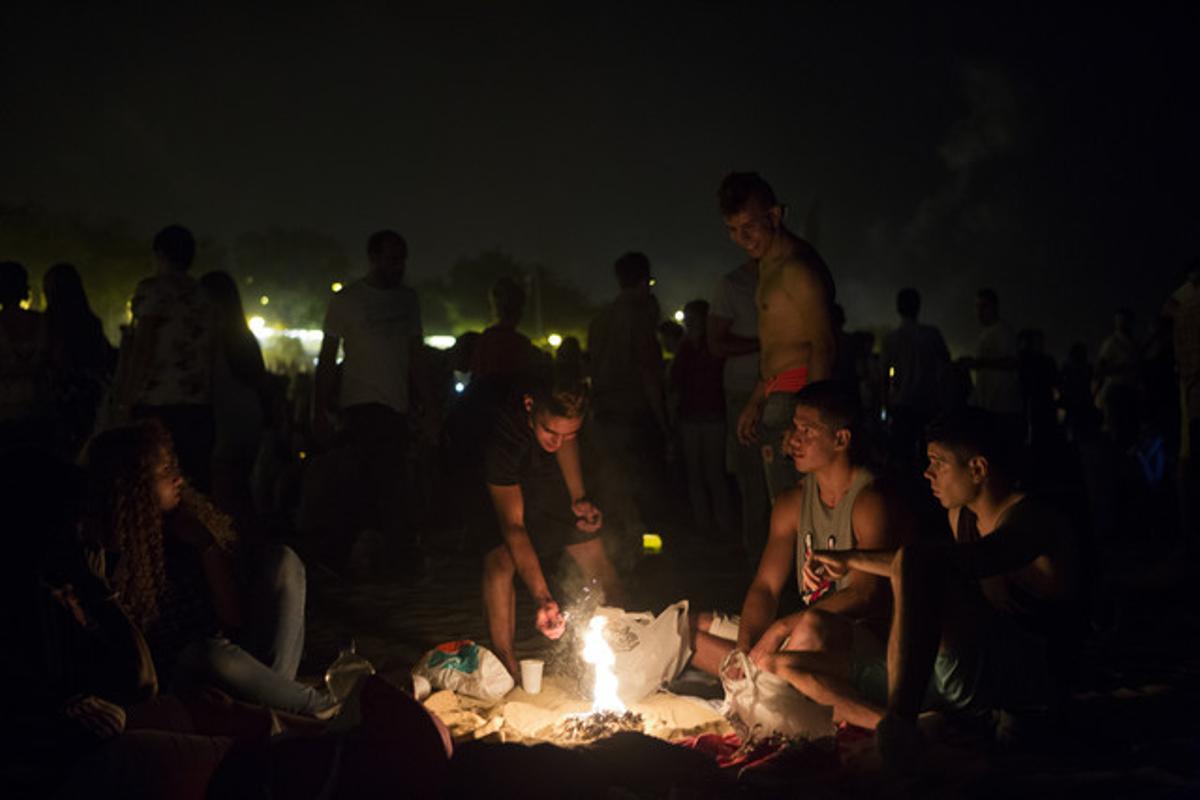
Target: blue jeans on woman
262,671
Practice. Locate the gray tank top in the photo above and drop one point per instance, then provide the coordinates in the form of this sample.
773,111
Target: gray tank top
823,528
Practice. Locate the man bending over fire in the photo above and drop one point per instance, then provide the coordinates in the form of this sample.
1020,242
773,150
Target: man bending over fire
836,505
533,477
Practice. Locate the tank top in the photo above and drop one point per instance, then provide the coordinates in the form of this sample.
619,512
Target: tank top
821,527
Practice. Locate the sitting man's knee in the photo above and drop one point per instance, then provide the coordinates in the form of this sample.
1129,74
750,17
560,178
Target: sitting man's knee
812,631
499,563
701,620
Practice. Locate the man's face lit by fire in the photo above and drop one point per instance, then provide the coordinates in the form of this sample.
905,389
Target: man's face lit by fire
954,481
812,444
754,227
553,432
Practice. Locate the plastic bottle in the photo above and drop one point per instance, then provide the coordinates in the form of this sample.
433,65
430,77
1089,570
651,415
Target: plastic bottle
346,671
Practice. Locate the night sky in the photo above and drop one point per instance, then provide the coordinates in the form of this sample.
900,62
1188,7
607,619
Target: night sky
1050,154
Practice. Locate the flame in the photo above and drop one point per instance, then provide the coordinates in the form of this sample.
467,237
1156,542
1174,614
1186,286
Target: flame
597,653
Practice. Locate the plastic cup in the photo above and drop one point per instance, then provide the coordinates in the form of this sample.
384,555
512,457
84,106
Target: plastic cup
531,675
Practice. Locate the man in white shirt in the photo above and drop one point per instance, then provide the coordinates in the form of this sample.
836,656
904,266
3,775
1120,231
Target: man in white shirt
733,335
997,383
377,320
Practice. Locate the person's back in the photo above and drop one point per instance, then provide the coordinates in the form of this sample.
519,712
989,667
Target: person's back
626,362
915,358
23,356
377,326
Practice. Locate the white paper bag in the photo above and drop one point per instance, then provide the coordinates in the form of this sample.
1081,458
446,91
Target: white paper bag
649,650
767,704
465,668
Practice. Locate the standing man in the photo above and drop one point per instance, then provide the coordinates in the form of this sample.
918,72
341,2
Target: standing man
535,483
794,299
915,359
733,335
378,321
997,383
629,397
166,364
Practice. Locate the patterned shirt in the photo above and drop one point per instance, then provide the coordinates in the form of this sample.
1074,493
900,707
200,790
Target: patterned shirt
181,370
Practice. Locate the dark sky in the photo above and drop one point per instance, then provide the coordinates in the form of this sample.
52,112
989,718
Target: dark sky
1051,154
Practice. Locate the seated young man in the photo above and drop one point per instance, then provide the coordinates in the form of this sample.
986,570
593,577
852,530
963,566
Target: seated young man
972,621
533,477
837,505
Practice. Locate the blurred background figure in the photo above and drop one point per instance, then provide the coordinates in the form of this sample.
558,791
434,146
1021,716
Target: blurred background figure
23,357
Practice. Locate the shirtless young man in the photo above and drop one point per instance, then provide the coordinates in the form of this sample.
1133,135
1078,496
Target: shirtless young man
972,621
795,328
836,505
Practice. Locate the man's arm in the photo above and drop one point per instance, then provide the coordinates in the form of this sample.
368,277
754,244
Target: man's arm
568,463
874,524
323,386
510,511
810,295
778,558
723,343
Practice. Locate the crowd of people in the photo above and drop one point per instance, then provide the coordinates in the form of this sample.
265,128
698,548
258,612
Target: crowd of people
162,481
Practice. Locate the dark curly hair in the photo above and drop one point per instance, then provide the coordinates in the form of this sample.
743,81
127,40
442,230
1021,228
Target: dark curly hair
124,509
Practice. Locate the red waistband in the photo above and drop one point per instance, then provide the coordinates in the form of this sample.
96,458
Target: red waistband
790,380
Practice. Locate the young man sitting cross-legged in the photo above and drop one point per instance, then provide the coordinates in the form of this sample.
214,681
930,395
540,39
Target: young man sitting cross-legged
837,504
974,621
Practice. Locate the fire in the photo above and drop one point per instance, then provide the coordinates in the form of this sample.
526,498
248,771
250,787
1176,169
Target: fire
597,653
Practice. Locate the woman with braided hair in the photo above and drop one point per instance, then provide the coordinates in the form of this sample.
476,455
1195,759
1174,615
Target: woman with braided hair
172,556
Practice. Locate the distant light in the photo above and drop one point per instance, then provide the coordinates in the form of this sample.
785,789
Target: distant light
653,281
258,326
303,454
651,543
891,372
26,304
554,339
441,342
262,301
679,315
336,287
460,387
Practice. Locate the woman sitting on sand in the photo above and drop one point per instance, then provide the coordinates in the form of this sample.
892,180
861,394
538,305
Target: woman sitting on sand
172,567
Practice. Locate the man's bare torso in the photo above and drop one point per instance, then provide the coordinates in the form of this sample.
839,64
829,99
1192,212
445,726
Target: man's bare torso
785,330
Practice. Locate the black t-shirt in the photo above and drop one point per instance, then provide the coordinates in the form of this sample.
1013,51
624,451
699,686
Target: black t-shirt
513,457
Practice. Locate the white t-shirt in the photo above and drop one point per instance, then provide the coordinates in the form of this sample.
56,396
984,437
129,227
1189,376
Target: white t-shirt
377,328
733,299
998,390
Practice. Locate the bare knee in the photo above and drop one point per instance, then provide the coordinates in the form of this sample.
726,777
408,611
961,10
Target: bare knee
498,565
700,620
814,631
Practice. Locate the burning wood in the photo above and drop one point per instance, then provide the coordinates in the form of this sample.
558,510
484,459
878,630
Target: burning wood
582,728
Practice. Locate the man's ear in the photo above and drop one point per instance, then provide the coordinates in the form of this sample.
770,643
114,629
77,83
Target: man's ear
527,401
979,468
775,214
842,437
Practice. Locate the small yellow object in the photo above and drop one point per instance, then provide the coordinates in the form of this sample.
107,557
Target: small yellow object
262,301
554,339
651,543
336,287
303,454
679,315
891,372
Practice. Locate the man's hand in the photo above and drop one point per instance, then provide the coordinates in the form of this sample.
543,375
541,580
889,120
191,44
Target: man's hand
747,425
587,517
772,640
101,718
832,563
550,621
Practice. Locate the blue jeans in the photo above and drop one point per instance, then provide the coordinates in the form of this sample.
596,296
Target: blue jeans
264,671
775,424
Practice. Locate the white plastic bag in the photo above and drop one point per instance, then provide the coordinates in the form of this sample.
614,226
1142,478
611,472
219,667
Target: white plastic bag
465,668
649,650
767,704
